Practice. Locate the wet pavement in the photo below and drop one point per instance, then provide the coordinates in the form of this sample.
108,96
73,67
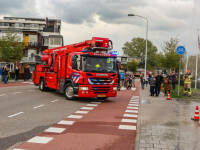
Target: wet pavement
166,124
189,105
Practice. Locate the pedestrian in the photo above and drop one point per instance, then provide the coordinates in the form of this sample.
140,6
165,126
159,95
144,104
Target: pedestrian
1,73
147,80
125,80
25,71
158,83
28,73
141,76
173,76
129,83
143,83
133,80
16,73
5,74
167,85
152,85
122,77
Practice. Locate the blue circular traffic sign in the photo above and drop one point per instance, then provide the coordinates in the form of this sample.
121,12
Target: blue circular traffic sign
180,50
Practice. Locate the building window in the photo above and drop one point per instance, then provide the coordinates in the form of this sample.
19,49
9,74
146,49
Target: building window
57,41
45,42
124,59
34,25
1,23
27,25
6,24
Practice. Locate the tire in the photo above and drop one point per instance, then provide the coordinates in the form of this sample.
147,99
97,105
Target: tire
102,98
41,85
69,91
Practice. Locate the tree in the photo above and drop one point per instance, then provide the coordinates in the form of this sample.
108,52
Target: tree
132,66
137,48
171,58
11,49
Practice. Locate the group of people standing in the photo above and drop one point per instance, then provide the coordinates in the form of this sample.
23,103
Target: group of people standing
128,80
5,73
155,81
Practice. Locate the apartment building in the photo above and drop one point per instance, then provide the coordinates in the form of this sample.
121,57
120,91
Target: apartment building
36,33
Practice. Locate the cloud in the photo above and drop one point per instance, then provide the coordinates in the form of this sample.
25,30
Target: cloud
19,8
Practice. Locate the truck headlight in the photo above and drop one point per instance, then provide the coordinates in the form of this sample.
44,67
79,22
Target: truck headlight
114,88
83,88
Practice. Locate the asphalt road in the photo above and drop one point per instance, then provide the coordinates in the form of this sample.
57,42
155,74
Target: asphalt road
25,111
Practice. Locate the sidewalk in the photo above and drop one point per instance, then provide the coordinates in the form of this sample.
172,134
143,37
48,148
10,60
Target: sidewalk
13,81
165,124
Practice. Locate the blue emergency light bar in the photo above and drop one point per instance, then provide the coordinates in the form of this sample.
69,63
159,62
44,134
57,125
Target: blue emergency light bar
114,53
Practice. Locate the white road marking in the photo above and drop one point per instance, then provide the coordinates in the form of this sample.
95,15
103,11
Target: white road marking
38,106
55,100
123,88
2,94
87,108
55,130
17,92
132,107
127,127
135,97
129,115
16,114
75,116
18,149
31,83
92,105
30,90
133,102
81,112
96,102
133,89
66,122
39,139
132,111
129,120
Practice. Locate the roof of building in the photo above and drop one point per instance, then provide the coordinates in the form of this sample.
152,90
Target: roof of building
38,19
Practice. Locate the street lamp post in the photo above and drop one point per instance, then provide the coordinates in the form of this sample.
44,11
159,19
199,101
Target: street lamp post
145,71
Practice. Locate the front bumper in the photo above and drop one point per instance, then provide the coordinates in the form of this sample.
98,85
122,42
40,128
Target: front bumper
98,91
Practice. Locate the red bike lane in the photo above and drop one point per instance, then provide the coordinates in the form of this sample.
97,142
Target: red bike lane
100,125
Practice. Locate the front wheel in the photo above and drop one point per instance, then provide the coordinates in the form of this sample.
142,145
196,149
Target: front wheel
69,91
102,98
41,85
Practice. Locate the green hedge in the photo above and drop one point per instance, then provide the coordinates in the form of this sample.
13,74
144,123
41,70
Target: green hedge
21,75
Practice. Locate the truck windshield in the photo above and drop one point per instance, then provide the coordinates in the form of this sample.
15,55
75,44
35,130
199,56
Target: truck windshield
98,64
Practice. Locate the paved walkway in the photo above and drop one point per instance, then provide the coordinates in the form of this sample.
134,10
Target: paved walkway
165,124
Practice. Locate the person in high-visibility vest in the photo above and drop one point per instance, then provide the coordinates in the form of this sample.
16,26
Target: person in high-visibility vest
187,83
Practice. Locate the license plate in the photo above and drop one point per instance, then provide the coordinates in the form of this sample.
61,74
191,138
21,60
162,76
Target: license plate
101,95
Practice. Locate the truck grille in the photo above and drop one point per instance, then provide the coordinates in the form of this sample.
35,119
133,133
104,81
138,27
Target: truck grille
100,81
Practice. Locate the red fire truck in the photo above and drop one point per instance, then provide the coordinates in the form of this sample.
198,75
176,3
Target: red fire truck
86,69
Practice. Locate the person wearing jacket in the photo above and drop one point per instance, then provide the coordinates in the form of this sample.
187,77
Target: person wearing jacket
16,73
5,74
167,85
28,73
173,76
152,85
1,73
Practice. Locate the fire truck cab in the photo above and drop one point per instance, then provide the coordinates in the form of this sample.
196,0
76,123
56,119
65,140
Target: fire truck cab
85,69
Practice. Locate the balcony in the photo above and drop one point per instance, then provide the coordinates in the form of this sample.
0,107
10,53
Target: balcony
28,60
32,44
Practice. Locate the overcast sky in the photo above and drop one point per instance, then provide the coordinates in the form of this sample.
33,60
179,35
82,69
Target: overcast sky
84,19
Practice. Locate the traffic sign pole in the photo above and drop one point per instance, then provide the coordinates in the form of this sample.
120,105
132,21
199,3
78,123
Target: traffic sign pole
180,50
179,75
